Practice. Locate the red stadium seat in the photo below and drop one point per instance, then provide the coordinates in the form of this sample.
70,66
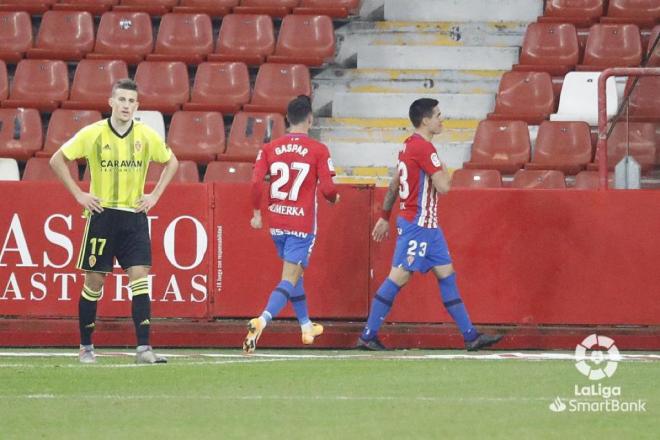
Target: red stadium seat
92,84
15,35
229,172
21,134
538,179
183,37
563,146
549,47
274,8
335,9
636,138
500,145
163,85
644,104
4,81
612,45
64,35
222,87
63,125
305,39
35,7
41,84
641,12
246,38
186,173
578,12
215,8
465,178
38,169
249,131
276,85
526,96
94,7
198,136
124,36
591,180
151,7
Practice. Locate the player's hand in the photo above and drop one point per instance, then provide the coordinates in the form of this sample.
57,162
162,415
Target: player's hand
146,202
255,221
90,202
381,230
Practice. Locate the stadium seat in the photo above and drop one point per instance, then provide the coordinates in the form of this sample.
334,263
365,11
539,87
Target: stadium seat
151,7
274,8
94,7
335,9
538,179
578,12
591,180
229,172
186,173
153,119
525,96
198,136
563,146
549,47
276,85
466,178
612,45
163,85
183,37
215,8
222,87
246,38
249,131
645,100
500,145
63,125
636,138
38,169
641,12
4,81
9,169
124,36
305,39
21,133
15,35
41,84
64,35
92,84
579,98
35,7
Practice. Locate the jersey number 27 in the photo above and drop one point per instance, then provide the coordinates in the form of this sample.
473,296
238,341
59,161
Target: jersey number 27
283,173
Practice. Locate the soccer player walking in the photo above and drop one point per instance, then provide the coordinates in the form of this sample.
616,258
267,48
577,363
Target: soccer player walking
118,151
421,245
296,164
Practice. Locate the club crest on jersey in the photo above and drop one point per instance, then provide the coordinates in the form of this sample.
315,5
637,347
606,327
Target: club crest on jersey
410,260
138,146
92,260
435,160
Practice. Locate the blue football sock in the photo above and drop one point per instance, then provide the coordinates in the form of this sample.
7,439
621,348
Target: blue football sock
380,307
454,305
299,303
278,299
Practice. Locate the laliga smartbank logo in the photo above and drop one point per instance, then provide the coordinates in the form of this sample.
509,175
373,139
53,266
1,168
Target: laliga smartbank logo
597,358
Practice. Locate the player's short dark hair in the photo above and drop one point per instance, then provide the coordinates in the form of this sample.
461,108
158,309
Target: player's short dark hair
420,109
298,109
124,84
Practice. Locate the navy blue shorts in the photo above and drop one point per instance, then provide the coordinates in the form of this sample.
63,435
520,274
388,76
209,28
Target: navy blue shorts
294,247
418,249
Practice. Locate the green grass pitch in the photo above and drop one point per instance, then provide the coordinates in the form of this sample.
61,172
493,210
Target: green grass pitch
312,394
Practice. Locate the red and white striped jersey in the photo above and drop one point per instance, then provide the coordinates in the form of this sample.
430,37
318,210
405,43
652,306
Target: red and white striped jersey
418,161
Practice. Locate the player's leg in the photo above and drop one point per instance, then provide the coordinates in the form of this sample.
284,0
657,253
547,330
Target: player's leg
381,306
453,302
87,305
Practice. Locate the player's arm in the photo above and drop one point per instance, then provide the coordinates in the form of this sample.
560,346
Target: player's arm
258,175
59,164
148,201
326,172
382,227
441,180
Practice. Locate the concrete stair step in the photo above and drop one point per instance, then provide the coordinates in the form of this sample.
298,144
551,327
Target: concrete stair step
463,10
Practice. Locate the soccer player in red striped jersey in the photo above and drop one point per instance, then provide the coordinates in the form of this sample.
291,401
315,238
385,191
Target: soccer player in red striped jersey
297,165
421,245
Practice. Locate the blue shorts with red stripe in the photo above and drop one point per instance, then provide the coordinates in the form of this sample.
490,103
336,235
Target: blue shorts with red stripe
418,249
